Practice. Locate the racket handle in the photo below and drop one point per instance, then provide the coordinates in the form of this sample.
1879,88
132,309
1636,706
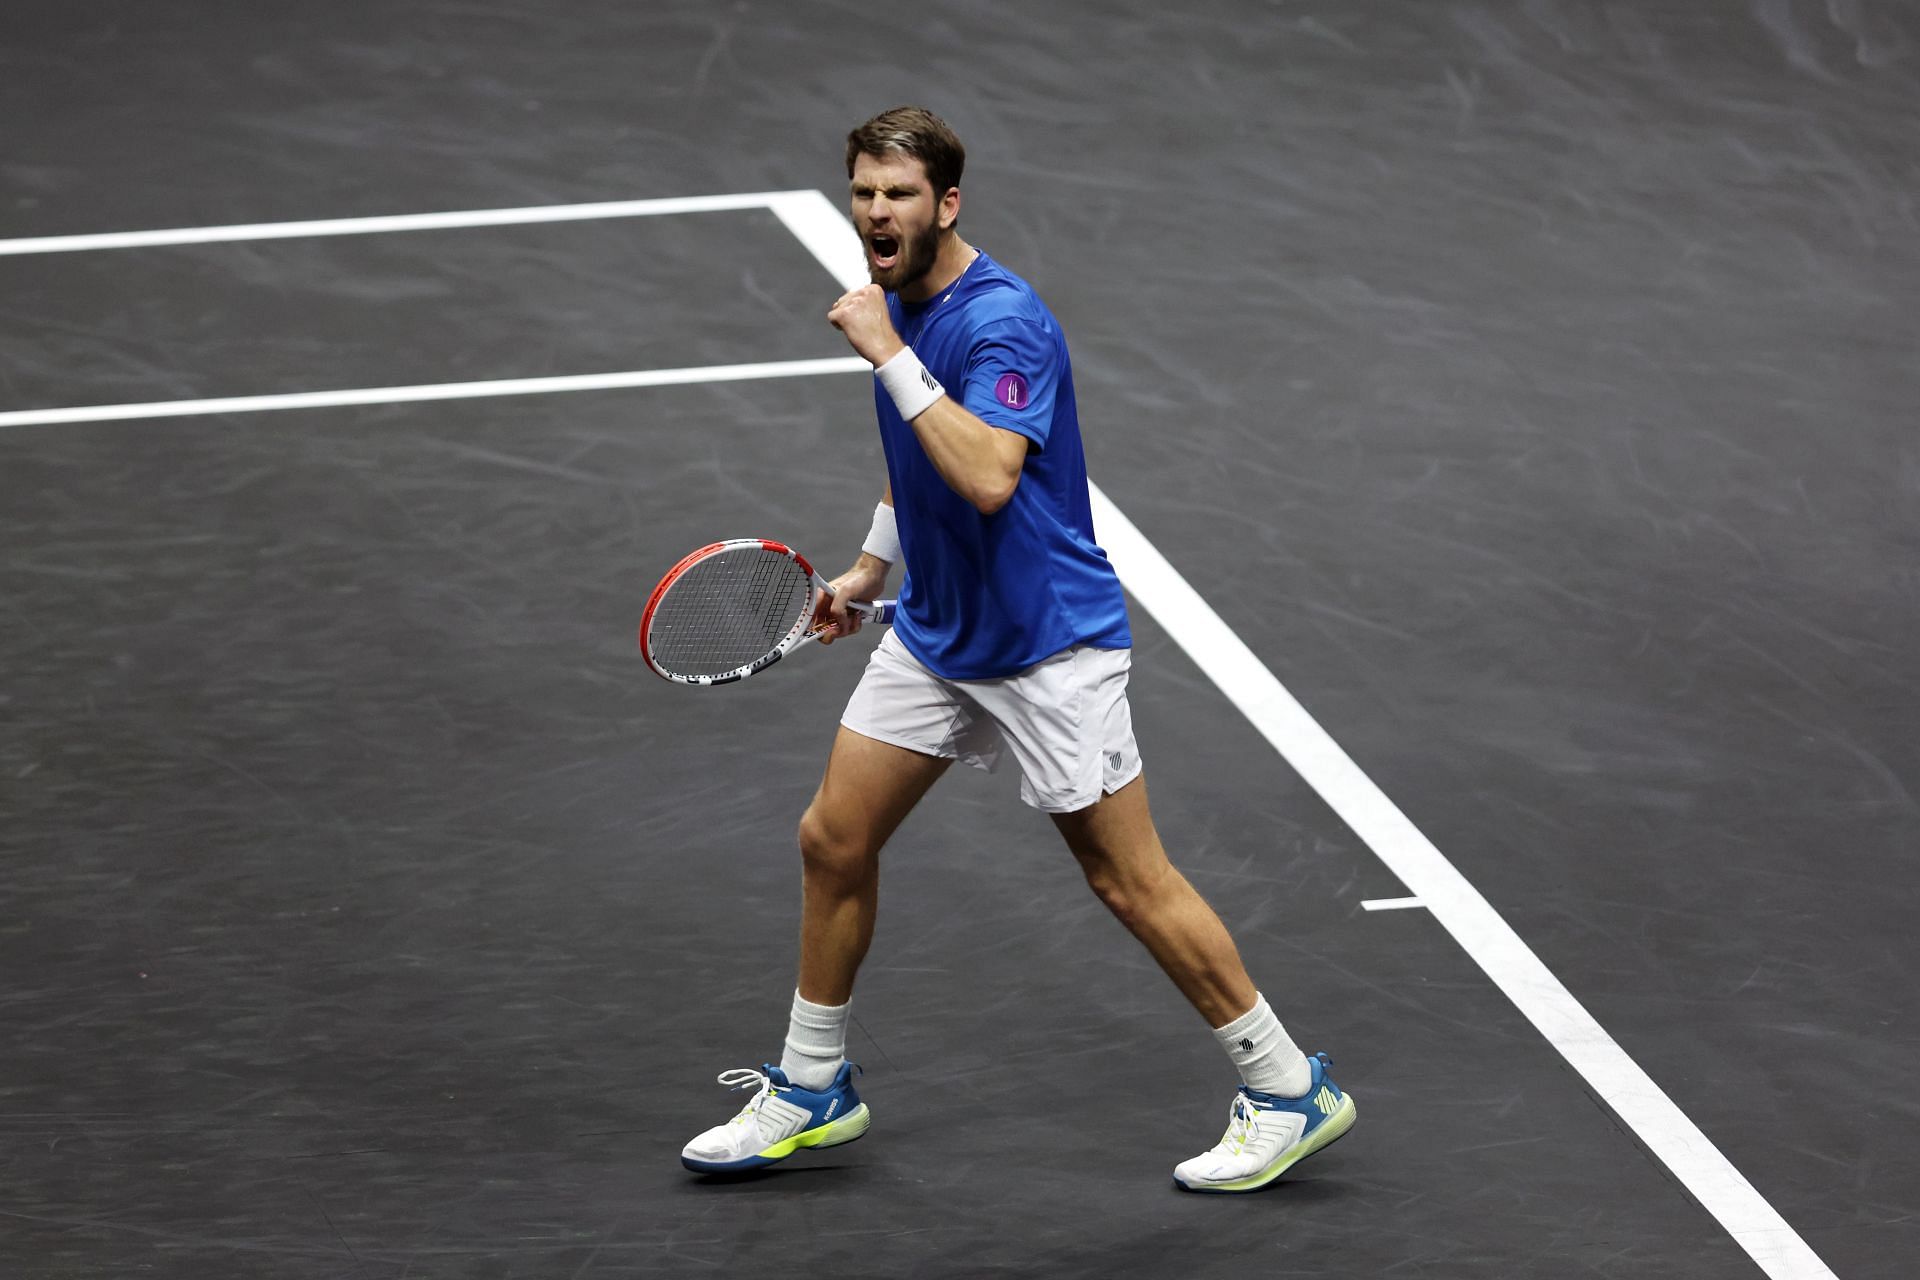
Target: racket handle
880,611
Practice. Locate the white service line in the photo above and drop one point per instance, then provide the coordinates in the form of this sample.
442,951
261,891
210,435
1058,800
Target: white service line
396,222
1392,904
437,391
1754,1224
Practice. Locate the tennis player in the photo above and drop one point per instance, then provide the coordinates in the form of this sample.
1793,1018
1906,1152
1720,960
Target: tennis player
1011,637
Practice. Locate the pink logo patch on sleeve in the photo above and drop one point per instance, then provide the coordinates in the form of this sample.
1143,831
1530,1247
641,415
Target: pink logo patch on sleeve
1011,391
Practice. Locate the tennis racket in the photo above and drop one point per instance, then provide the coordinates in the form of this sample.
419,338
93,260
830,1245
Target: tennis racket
733,608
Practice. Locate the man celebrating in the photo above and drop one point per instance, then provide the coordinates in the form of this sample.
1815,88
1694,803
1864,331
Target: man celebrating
1011,634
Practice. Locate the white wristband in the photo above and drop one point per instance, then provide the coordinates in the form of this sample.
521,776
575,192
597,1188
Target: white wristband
883,540
908,382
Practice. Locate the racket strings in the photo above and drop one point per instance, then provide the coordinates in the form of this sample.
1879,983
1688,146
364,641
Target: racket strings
728,610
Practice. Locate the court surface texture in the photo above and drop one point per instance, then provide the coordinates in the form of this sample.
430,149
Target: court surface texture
1526,388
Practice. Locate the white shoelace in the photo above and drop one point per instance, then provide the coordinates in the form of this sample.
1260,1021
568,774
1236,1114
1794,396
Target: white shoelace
744,1078
1243,1125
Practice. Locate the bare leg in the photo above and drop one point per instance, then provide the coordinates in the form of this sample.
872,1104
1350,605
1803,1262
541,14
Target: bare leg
1125,864
868,790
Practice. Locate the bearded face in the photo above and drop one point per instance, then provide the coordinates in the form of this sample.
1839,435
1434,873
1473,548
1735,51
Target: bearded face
902,255
898,218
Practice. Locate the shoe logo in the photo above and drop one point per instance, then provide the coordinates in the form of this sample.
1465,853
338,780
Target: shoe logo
831,1108
1246,1046
1326,1101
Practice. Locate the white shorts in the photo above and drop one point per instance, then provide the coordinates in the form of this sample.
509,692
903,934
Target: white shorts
1066,720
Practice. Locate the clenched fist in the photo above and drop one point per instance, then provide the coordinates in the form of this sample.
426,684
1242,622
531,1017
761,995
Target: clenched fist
862,316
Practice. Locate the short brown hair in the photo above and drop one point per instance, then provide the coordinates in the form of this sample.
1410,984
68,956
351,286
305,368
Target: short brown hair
917,132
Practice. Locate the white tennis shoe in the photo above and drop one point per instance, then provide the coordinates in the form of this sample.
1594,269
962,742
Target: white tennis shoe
779,1119
1267,1135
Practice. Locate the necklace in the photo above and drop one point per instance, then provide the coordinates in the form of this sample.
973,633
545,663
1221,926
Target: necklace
927,315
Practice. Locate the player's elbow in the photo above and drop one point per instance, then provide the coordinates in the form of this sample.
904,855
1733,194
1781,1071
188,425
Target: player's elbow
992,494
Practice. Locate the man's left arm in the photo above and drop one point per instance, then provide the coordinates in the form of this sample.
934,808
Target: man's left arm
979,461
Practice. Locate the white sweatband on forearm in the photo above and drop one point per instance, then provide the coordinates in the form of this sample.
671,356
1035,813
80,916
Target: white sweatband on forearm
883,540
908,382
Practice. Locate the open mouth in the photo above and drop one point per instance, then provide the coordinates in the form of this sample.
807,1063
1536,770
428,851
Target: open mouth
885,250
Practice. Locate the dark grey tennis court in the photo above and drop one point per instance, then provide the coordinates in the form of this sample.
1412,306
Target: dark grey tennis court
1531,386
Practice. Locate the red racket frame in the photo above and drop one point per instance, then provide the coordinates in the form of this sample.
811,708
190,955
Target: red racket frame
879,611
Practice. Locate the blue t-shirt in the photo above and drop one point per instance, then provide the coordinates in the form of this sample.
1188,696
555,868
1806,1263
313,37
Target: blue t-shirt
988,596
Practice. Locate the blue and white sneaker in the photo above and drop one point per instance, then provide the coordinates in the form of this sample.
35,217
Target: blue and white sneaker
777,1121
1267,1135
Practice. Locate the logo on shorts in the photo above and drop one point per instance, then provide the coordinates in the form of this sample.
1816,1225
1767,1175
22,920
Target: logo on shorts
1113,761
1011,391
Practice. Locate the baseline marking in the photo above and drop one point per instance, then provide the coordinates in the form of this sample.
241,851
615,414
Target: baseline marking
1491,942
400,222
1392,904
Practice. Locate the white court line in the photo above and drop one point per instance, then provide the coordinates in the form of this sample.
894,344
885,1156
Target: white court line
1492,944
1392,904
399,222
437,391
1754,1224
777,201
817,223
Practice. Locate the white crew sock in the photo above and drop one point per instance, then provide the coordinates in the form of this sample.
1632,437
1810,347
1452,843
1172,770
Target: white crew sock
1268,1058
817,1043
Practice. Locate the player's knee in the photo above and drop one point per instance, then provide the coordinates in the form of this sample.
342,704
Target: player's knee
1131,895
831,850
